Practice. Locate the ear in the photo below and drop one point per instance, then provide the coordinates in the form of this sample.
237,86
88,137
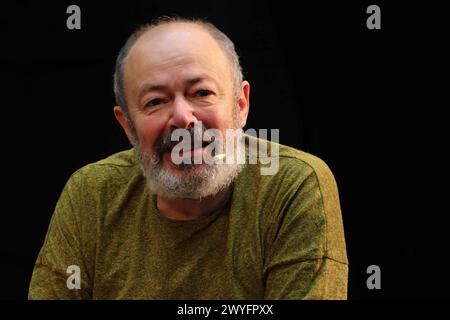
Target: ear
122,119
244,103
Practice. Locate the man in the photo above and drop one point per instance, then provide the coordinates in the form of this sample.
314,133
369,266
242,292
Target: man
140,225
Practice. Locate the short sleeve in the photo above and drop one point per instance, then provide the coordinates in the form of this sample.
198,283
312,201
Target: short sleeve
307,257
67,249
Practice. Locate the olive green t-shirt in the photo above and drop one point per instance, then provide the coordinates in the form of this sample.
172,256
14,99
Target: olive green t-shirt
277,237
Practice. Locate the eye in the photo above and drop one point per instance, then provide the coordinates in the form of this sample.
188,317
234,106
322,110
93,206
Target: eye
153,102
203,93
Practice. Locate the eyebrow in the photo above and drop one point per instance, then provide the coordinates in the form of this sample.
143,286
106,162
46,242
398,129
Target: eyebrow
159,87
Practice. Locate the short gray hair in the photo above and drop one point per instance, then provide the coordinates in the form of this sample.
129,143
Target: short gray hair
224,42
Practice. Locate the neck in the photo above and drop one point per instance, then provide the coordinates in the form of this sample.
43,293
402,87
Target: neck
190,209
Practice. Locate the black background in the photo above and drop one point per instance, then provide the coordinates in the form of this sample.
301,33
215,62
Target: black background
368,102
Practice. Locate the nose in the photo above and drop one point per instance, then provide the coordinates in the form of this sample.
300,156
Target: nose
182,114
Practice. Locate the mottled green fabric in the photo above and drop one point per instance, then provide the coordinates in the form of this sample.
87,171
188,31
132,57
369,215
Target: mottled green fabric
278,237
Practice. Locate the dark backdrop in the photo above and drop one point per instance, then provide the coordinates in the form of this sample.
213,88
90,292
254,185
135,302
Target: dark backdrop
365,101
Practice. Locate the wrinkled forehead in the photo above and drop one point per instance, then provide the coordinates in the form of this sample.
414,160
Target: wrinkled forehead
176,45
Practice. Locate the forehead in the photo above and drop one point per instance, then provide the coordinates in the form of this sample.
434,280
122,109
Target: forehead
175,49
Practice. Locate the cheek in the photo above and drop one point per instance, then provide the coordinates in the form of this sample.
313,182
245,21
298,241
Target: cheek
220,117
149,129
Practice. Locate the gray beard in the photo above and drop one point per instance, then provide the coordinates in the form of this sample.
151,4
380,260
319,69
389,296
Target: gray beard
193,181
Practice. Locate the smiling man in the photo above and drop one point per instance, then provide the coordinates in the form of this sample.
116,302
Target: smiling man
141,225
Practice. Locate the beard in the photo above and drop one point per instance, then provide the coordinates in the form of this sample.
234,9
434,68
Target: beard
192,181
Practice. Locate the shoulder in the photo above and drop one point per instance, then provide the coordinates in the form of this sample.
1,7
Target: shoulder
285,165
118,163
302,195
306,165
106,176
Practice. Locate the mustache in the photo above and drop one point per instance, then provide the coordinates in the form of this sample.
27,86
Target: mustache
197,134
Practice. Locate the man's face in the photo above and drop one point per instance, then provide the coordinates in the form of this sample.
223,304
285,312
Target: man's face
177,75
